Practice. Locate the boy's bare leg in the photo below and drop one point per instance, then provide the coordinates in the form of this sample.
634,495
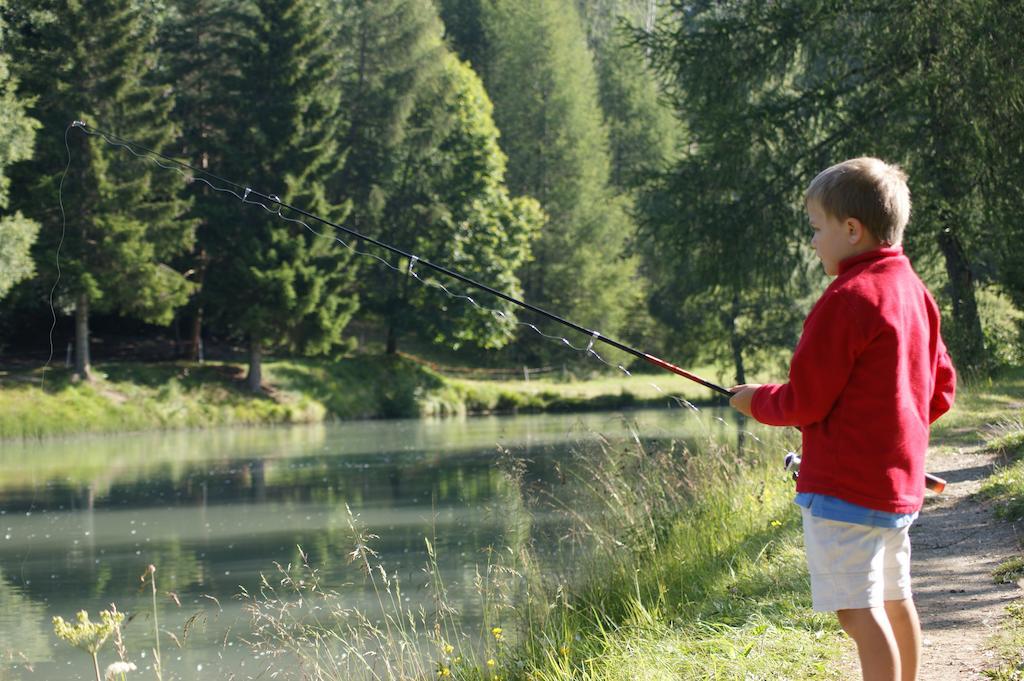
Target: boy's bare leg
876,644
906,627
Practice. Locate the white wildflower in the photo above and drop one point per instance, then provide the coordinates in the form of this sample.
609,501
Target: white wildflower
118,668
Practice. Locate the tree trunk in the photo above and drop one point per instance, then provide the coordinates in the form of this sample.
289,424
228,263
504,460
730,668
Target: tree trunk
195,347
196,335
735,342
254,381
83,364
392,343
966,342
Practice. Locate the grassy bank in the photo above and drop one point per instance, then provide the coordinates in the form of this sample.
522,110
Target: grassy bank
720,591
680,563
137,396
683,561
1005,488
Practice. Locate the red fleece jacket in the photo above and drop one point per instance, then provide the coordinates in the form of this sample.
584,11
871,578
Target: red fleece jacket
868,377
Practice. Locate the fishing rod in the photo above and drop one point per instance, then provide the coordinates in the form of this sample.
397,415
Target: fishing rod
416,260
792,461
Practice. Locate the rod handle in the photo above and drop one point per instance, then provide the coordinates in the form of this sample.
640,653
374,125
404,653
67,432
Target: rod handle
934,483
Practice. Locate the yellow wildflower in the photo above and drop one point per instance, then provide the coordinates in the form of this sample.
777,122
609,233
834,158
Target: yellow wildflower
89,636
496,631
490,662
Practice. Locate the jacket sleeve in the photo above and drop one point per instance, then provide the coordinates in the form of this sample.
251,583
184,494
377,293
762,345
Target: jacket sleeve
833,337
945,385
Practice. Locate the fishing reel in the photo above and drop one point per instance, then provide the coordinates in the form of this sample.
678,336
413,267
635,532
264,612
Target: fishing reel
932,482
792,463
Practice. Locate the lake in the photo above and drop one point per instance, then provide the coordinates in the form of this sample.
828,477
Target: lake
82,518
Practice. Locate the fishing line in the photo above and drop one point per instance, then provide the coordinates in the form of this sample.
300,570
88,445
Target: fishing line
63,231
272,204
274,200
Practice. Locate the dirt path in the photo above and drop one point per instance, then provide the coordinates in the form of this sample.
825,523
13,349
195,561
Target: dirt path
957,543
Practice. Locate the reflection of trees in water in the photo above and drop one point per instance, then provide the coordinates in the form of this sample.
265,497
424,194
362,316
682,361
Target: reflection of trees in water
385,479
21,627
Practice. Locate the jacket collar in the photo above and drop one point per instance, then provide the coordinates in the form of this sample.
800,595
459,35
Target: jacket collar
876,254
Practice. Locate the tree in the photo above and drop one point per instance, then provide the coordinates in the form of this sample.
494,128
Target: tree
17,136
717,225
541,78
272,280
96,62
464,30
390,51
425,173
447,202
813,82
643,131
204,41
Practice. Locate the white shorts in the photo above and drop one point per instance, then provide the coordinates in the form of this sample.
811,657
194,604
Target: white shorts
855,566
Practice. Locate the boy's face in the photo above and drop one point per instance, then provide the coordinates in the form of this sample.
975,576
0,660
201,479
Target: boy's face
835,240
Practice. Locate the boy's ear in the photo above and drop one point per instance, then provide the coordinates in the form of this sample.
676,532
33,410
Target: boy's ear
856,232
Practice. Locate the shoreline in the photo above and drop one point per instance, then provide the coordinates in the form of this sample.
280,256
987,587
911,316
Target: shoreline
140,397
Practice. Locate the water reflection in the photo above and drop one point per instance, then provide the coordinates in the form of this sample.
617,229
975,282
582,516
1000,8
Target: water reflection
80,519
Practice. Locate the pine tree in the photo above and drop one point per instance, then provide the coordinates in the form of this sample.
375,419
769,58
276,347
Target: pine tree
796,86
391,50
541,78
274,282
204,41
448,204
97,62
642,129
17,136
464,30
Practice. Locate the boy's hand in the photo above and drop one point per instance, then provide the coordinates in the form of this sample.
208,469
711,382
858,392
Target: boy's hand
742,395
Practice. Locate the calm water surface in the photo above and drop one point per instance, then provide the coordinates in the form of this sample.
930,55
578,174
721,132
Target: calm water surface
80,519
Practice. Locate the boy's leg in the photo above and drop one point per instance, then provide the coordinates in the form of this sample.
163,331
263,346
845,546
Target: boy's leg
876,643
906,628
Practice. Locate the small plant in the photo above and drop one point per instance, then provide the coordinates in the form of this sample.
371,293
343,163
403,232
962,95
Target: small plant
87,635
1010,571
150,573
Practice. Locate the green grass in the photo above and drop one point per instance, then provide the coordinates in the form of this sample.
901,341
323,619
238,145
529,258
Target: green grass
982,410
1008,646
132,396
724,595
989,414
128,397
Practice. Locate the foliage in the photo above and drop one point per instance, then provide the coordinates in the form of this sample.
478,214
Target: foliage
90,636
17,135
1003,326
1008,643
775,92
446,202
542,80
276,282
643,132
646,182
1006,485
87,635
117,227
205,42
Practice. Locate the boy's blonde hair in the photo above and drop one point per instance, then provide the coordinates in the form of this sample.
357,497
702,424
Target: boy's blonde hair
869,190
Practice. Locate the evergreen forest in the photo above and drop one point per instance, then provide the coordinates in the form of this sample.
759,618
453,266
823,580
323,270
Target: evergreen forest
636,166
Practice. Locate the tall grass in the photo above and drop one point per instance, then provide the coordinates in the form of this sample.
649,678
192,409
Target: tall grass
677,563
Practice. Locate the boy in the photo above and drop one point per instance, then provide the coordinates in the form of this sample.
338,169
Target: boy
868,377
